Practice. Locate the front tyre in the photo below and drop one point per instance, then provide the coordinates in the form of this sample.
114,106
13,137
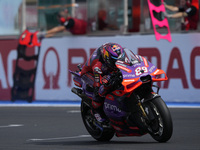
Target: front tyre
160,126
96,130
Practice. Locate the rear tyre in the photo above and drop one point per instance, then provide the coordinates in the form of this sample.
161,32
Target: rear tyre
95,129
160,126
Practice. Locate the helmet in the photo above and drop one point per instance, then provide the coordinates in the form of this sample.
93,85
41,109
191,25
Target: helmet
111,52
63,15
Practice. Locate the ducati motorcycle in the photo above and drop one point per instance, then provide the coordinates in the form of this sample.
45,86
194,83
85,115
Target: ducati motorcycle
133,106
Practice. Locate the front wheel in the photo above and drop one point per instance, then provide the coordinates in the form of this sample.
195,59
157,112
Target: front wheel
96,130
160,124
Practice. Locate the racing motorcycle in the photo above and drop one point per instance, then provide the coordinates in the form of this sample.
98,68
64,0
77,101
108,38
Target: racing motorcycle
132,106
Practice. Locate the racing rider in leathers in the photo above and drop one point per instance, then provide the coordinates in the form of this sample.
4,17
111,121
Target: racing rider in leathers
101,65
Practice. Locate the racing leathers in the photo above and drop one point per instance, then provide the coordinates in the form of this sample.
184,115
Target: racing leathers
102,73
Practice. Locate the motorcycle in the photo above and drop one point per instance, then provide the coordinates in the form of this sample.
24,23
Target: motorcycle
132,106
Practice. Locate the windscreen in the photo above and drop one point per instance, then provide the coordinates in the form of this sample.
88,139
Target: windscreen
130,58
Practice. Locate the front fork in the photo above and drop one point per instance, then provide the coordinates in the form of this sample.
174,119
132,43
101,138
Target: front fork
142,109
146,114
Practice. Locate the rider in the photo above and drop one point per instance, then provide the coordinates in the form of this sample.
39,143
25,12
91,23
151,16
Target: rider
102,65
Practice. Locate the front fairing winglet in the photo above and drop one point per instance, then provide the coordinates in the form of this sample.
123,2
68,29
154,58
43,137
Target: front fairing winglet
156,73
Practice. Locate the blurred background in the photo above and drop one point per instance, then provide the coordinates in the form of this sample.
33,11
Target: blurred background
128,16
45,76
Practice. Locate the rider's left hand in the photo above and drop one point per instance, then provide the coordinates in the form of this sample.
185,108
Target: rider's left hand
105,80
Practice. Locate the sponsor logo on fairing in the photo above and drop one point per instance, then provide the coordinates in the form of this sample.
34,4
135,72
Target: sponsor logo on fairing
128,75
138,64
151,69
111,107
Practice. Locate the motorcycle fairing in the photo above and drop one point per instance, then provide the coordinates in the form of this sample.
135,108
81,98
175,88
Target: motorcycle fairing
156,75
133,77
116,111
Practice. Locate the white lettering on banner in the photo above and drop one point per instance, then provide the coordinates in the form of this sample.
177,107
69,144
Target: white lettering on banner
2,74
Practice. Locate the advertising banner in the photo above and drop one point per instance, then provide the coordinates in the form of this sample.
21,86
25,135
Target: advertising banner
180,59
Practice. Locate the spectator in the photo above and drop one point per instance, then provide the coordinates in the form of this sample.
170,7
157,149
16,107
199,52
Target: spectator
73,25
187,12
101,20
102,25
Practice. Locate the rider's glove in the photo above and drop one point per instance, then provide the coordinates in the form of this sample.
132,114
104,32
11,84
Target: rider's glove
106,80
116,80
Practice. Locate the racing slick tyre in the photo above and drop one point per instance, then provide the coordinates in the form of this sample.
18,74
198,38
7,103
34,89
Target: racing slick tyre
95,129
160,125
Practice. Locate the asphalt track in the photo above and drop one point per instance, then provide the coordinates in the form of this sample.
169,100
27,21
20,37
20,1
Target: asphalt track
61,128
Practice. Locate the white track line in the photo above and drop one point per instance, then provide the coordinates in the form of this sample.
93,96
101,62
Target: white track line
12,125
59,138
74,111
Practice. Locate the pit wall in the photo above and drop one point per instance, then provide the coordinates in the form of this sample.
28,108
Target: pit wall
180,59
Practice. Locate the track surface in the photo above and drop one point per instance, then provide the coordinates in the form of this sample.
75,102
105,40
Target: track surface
61,128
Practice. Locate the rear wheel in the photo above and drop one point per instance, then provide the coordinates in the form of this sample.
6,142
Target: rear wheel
96,130
159,122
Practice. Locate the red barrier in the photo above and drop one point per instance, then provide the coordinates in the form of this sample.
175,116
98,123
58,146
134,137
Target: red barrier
29,39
